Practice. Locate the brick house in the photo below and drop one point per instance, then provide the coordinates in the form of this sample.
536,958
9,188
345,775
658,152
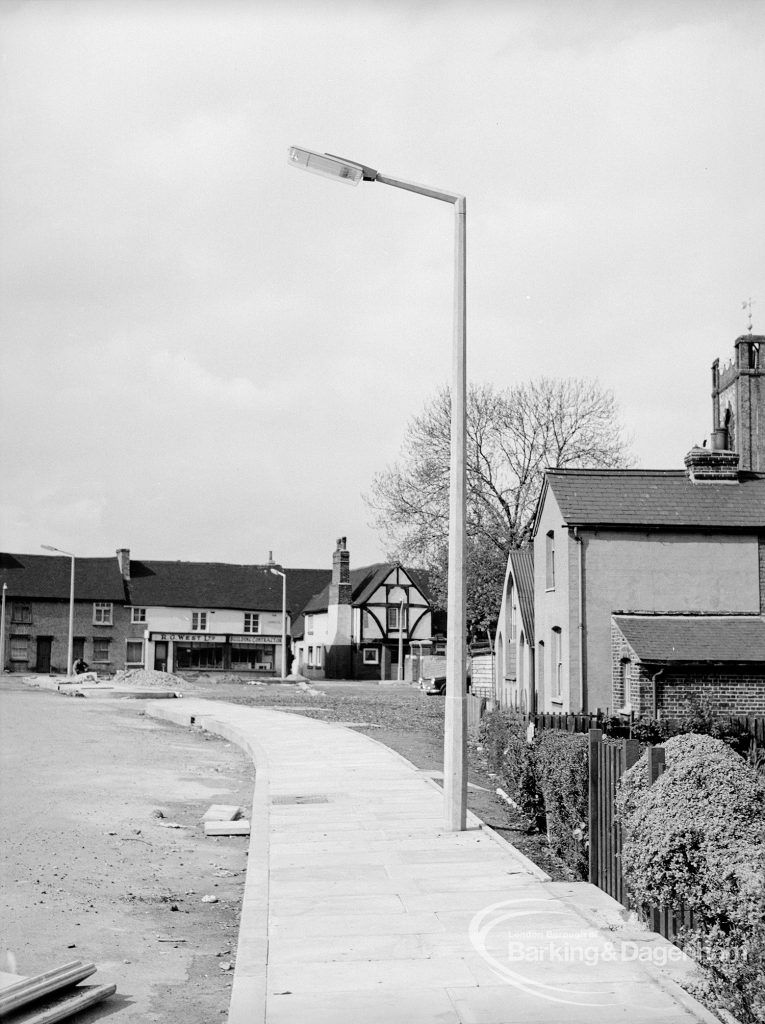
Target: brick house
661,661
359,623
37,613
679,551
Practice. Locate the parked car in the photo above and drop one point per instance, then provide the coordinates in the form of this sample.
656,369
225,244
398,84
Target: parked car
437,686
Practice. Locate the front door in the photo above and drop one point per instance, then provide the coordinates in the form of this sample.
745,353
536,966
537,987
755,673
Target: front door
43,653
160,656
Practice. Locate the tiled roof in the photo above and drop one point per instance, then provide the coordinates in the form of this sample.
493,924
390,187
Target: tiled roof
205,584
360,579
302,584
47,577
364,581
522,562
694,638
656,498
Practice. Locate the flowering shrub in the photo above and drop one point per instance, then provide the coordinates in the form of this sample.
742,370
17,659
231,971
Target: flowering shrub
696,838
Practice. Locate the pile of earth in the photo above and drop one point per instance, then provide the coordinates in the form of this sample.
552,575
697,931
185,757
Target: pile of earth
146,677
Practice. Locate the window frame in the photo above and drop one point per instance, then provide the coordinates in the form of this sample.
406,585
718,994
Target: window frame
137,615
198,622
132,641
18,616
550,560
375,656
251,619
393,611
556,661
15,641
99,641
100,611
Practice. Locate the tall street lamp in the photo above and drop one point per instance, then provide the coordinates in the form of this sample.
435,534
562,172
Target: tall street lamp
278,572
70,645
455,736
2,630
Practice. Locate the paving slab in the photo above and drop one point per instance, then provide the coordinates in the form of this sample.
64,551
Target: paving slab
360,905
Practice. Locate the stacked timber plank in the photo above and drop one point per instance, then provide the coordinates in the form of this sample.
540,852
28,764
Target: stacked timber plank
52,996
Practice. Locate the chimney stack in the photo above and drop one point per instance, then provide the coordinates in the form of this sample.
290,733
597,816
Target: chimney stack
123,561
340,586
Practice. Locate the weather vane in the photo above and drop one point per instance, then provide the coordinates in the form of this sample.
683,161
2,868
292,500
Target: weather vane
748,306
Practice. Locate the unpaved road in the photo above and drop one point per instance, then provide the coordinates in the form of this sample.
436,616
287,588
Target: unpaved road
89,872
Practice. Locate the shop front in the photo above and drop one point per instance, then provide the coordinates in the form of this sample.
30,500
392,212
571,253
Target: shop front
214,652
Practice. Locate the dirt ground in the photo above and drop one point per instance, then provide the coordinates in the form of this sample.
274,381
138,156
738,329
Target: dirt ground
90,870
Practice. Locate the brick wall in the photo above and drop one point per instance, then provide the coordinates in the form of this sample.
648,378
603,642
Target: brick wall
731,690
51,619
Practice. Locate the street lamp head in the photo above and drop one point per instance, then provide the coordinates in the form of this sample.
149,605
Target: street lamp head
330,166
277,572
48,547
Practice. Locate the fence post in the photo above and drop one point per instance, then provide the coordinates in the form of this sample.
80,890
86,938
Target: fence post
655,763
596,736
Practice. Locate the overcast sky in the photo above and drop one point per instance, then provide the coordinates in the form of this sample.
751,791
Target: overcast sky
208,355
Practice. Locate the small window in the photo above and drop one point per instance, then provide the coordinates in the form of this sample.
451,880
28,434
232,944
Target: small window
371,656
134,652
540,666
251,622
309,625
318,657
550,561
393,619
556,662
102,613
101,648
199,621
19,648
310,657
138,615
513,618
21,613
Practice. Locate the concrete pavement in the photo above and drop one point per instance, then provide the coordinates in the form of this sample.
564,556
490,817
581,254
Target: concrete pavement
358,906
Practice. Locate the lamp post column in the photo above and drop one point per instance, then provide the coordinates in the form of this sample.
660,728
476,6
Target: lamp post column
284,625
2,631
70,643
455,727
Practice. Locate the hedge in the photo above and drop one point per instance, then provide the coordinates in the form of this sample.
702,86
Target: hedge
696,838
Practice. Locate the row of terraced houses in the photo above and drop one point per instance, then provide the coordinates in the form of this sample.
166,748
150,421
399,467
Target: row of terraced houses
638,590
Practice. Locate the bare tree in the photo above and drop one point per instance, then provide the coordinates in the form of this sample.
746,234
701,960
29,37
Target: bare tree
513,435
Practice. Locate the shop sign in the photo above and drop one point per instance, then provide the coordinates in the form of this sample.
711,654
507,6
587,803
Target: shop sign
210,638
252,639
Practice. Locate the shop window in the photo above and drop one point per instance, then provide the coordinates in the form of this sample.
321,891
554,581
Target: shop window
251,622
550,561
134,652
371,656
199,621
21,613
101,648
138,615
198,656
102,613
19,648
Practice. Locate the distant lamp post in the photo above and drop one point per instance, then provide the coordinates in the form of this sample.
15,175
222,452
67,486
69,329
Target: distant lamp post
70,645
278,572
2,631
455,735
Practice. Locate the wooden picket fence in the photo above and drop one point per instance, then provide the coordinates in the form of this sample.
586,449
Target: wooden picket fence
609,759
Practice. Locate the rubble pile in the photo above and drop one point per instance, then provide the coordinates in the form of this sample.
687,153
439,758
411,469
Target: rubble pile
146,677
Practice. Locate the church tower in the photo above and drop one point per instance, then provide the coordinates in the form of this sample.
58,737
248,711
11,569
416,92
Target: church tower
738,403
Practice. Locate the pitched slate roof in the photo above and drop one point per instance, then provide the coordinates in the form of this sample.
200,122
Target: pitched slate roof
302,584
522,563
694,638
634,498
47,578
205,584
